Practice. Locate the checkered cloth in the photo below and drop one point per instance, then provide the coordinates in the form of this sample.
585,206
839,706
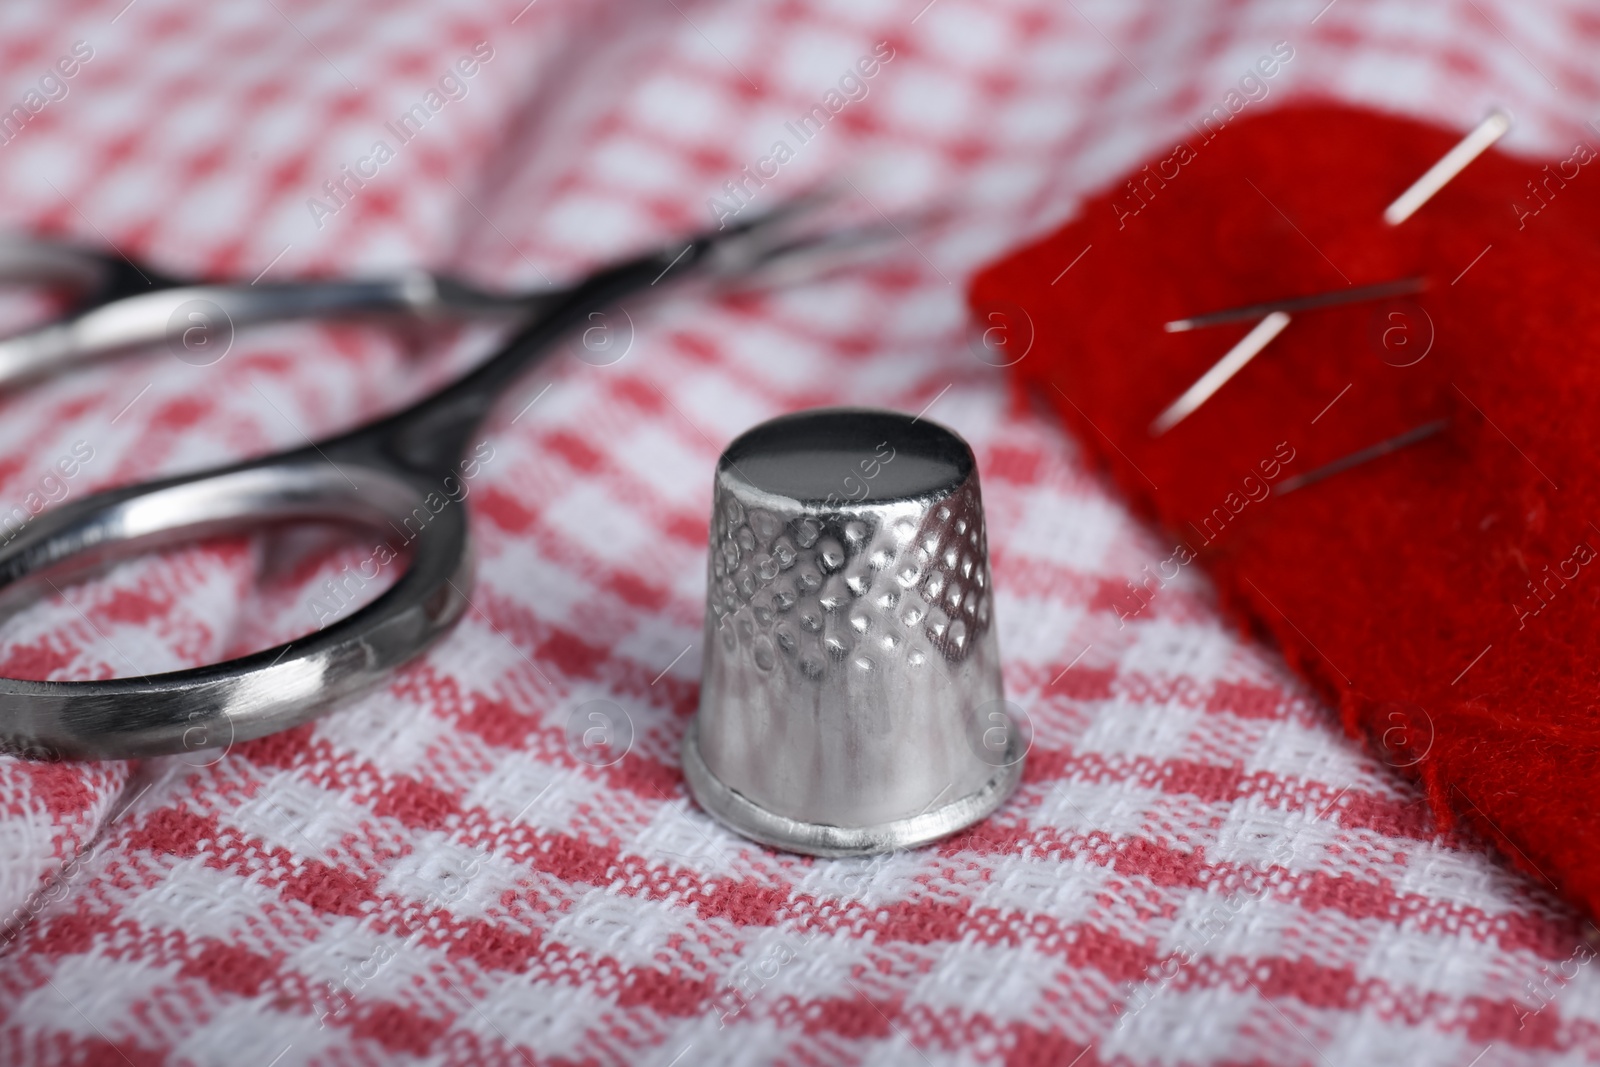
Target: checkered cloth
1198,868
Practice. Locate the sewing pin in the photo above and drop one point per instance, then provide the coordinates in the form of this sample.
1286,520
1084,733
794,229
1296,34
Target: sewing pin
1454,161
1225,368
1381,291
1355,459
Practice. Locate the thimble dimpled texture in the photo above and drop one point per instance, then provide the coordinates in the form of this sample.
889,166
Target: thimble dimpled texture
850,644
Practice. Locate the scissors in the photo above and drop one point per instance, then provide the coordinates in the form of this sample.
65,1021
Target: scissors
380,476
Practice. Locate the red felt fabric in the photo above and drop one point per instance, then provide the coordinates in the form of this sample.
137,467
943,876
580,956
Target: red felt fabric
1382,584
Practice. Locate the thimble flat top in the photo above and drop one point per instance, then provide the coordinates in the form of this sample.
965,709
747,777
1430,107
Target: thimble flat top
850,695
810,457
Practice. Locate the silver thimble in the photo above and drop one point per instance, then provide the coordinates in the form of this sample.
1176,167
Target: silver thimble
850,700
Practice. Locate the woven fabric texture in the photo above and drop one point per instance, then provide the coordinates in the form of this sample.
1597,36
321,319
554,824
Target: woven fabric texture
435,874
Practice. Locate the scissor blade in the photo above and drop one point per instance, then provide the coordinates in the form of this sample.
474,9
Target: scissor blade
28,260
807,238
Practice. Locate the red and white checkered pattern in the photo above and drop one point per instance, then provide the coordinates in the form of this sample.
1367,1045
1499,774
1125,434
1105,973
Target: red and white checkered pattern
431,876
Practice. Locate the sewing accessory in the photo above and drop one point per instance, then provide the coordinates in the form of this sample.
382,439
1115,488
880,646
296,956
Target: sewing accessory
1295,304
387,477
850,698
1453,162
1360,456
1217,376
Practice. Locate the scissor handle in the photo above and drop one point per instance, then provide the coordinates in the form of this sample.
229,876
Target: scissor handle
262,693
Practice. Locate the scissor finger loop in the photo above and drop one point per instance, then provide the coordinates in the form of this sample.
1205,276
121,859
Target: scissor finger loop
268,691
